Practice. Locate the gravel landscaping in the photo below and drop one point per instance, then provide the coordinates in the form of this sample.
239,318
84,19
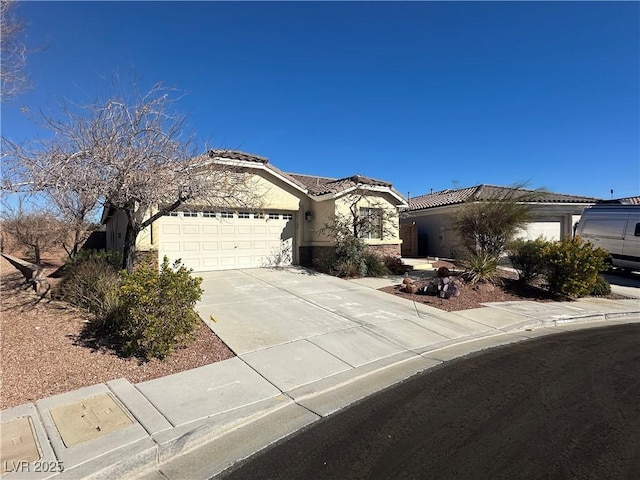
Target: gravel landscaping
507,289
43,351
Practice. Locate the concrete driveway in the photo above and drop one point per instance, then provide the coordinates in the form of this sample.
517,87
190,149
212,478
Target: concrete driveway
296,327
257,309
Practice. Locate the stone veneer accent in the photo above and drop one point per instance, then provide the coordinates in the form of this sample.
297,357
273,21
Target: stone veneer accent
307,255
391,250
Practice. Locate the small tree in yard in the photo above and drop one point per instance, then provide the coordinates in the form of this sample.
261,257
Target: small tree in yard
486,227
127,152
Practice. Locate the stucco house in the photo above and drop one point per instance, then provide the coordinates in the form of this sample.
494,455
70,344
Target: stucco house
427,225
283,229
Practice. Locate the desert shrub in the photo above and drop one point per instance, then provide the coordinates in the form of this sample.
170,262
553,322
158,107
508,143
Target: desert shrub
601,288
394,265
91,281
156,313
347,259
375,265
351,258
480,267
105,256
527,257
486,227
573,266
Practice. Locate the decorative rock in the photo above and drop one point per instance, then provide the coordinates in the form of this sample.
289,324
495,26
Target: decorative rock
410,288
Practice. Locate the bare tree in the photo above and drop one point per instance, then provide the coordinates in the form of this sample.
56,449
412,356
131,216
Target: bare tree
13,79
127,152
37,230
75,211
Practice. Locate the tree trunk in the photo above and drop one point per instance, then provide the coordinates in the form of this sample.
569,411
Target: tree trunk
129,250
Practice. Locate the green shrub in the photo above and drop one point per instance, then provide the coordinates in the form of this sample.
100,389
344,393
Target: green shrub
527,257
156,313
601,288
375,265
480,267
91,282
573,266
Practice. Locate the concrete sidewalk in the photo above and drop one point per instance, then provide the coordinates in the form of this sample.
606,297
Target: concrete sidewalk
307,345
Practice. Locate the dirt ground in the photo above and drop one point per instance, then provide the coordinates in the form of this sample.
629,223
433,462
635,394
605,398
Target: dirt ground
561,407
42,352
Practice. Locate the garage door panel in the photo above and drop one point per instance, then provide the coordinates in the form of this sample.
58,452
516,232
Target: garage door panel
210,229
244,245
245,261
210,262
209,246
227,261
191,230
243,230
171,247
191,263
191,246
227,230
170,230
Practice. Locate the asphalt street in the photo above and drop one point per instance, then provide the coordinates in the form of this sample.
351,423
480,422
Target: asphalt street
563,406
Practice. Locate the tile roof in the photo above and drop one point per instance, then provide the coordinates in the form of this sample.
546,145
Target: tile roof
250,157
624,201
314,185
491,192
323,185
237,155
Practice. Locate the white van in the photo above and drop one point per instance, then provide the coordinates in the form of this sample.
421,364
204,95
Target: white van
616,228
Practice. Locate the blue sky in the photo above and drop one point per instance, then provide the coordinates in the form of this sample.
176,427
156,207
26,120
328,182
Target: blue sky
426,95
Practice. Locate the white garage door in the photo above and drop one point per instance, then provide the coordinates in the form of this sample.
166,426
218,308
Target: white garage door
548,230
226,240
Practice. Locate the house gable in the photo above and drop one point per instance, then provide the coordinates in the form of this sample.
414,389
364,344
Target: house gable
433,214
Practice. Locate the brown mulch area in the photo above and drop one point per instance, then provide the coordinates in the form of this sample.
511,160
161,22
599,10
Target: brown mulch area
506,289
43,353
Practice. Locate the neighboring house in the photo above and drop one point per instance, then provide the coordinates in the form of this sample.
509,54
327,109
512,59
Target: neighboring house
427,226
284,229
623,201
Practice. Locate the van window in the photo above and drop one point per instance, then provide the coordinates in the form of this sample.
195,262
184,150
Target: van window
604,227
636,232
